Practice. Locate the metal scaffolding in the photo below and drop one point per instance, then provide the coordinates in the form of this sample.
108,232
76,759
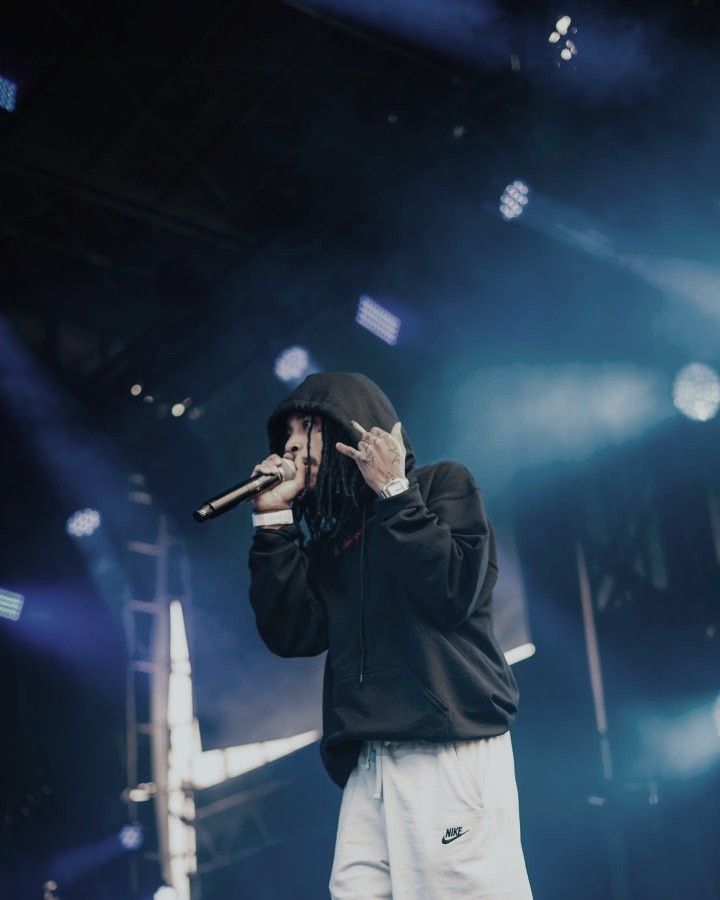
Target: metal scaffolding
159,579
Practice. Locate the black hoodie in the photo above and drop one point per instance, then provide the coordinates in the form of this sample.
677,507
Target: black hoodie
404,609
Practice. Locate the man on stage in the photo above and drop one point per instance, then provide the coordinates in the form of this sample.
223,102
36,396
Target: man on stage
392,573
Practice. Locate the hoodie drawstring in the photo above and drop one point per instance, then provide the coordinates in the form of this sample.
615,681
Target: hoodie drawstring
362,593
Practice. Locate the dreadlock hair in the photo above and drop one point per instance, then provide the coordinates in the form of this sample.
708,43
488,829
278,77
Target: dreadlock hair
333,509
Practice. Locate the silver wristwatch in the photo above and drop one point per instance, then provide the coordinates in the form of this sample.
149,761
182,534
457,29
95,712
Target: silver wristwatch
396,486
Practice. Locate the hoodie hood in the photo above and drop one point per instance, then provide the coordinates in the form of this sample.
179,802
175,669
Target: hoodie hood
340,396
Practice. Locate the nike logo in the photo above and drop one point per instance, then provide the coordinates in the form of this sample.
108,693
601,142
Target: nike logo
452,834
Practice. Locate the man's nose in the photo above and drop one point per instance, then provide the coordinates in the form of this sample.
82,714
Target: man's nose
292,444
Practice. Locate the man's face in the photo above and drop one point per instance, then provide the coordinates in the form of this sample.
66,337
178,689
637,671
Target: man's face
296,442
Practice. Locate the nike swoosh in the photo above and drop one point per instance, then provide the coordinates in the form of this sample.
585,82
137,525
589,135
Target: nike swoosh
450,840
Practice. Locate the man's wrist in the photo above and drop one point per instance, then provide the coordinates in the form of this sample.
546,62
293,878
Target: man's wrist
273,518
393,487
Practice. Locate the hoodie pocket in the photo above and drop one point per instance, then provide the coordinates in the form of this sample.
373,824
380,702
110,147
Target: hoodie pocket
390,700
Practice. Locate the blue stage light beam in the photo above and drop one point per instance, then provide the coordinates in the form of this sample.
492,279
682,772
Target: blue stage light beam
11,605
8,94
560,413
51,424
71,866
682,743
75,462
682,281
378,320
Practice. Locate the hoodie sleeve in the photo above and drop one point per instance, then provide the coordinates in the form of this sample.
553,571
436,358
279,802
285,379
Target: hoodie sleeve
289,614
442,546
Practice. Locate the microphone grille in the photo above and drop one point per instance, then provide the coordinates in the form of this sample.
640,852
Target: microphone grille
288,469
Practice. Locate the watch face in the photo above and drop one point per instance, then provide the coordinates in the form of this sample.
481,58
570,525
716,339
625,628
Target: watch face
393,489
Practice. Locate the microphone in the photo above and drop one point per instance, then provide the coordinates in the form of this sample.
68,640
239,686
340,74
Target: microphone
246,490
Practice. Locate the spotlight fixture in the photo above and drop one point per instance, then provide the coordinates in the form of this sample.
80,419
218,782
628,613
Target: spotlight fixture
293,365
83,523
11,605
696,391
136,390
562,26
377,320
8,94
131,836
514,199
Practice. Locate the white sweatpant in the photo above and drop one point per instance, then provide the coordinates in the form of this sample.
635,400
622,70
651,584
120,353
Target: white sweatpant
427,821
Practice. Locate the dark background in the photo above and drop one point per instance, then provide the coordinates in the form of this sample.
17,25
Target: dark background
187,189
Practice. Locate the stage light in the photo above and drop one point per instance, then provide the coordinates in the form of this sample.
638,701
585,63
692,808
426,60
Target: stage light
211,767
682,742
131,836
377,320
177,409
136,390
293,365
562,26
518,654
140,794
83,523
696,391
11,605
513,200
8,94
165,893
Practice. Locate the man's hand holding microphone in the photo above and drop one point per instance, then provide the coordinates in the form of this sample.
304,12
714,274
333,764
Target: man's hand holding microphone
281,496
273,485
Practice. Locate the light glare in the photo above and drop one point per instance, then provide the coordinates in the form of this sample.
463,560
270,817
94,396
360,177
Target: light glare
696,391
83,523
293,364
165,892
131,836
517,654
377,320
8,94
11,605
513,200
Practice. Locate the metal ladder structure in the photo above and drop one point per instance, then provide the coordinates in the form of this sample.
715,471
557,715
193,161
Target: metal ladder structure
158,796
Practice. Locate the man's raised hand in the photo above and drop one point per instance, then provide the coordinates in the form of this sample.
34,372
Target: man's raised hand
380,455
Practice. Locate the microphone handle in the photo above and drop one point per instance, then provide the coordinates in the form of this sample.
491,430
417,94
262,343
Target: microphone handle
246,490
